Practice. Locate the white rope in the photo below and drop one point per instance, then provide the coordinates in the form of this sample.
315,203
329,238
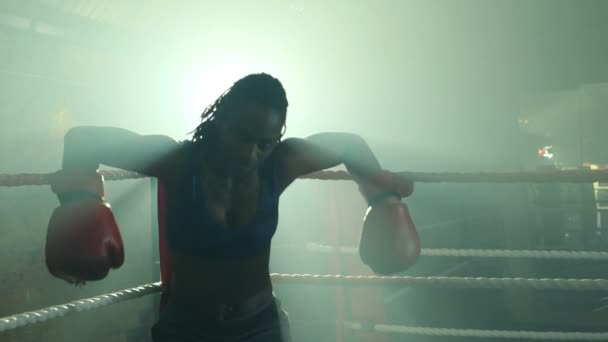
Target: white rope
479,253
459,282
28,318
522,254
531,335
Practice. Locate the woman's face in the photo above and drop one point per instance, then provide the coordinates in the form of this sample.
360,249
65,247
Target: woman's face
247,136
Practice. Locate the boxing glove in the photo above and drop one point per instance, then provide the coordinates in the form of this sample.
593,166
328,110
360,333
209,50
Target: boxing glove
389,240
83,241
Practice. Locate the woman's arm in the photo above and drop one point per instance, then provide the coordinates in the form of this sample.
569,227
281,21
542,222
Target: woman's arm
325,150
86,147
389,240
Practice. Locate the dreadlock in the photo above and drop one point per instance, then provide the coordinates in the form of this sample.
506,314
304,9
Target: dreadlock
261,89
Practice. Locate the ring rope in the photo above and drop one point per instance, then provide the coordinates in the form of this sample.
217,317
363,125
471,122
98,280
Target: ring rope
10,180
479,253
565,176
28,318
513,334
459,282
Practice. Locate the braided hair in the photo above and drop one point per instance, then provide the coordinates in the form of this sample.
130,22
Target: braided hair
261,89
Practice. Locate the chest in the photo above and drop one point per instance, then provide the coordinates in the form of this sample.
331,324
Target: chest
209,202
230,204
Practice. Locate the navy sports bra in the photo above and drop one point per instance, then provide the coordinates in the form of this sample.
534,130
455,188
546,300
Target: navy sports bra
193,231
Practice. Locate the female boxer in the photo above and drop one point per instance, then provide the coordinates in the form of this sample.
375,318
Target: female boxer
222,191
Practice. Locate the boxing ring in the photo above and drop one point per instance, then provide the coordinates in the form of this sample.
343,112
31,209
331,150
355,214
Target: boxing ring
575,176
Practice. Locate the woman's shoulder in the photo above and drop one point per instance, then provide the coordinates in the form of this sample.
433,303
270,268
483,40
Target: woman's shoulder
179,160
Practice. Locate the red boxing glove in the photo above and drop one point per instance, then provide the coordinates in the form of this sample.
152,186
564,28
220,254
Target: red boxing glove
83,240
389,241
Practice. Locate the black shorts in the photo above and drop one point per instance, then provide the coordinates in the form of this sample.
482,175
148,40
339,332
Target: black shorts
267,324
